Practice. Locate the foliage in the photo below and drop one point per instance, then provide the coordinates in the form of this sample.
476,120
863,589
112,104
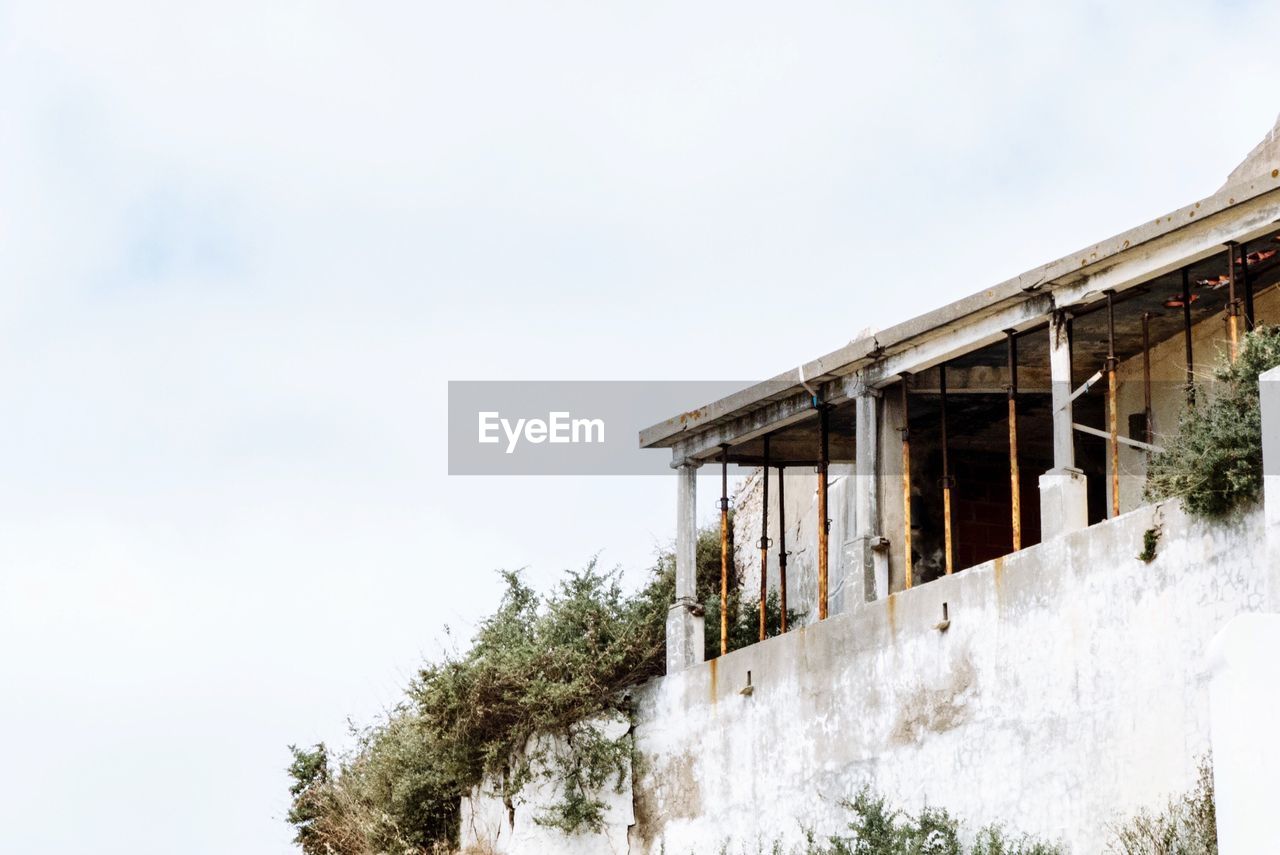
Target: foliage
385,797
992,840
1150,540
878,829
744,615
536,666
1187,826
1214,462
583,770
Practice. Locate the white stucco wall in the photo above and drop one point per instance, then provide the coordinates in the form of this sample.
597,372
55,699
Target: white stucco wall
1069,690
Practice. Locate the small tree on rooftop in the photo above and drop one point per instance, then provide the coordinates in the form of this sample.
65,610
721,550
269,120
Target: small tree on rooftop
1214,462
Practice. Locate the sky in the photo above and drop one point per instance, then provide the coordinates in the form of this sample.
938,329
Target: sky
245,245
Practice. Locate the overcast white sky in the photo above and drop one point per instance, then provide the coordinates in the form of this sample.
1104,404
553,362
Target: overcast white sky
244,245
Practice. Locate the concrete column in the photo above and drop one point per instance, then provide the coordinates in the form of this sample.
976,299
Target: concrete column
684,619
1064,448
868,560
1269,389
1244,693
1064,500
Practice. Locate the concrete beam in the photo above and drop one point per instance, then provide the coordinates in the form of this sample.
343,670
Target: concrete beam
705,444
957,340
1202,235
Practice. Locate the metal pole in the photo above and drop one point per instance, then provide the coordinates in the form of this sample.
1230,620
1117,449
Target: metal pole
946,472
724,550
782,549
906,483
764,537
1186,335
1233,307
1113,415
823,522
1248,287
1148,430
1015,480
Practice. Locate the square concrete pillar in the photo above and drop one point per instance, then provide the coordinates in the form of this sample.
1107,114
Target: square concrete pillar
684,620
1269,390
1064,498
1064,502
1244,692
1064,447
865,553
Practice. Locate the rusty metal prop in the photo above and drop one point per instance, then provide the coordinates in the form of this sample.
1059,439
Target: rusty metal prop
1233,304
946,470
782,549
1113,417
824,524
724,550
1148,433
764,537
1015,479
906,484
1248,287
1186,336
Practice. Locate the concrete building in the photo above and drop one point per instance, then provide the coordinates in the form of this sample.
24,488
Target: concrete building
963,519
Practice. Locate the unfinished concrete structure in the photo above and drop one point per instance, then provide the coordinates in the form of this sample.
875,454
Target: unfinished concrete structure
1016,415
964,519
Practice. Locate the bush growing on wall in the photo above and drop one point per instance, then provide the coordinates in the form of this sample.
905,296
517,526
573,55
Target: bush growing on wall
537,665
1188,825
1214,462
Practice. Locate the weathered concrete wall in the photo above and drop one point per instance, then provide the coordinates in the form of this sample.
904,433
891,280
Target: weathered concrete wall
1245,686
1068,691
1069,688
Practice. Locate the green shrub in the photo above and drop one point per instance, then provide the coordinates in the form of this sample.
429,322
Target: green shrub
878,829
1188,825
1214,462
744,602
536,666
